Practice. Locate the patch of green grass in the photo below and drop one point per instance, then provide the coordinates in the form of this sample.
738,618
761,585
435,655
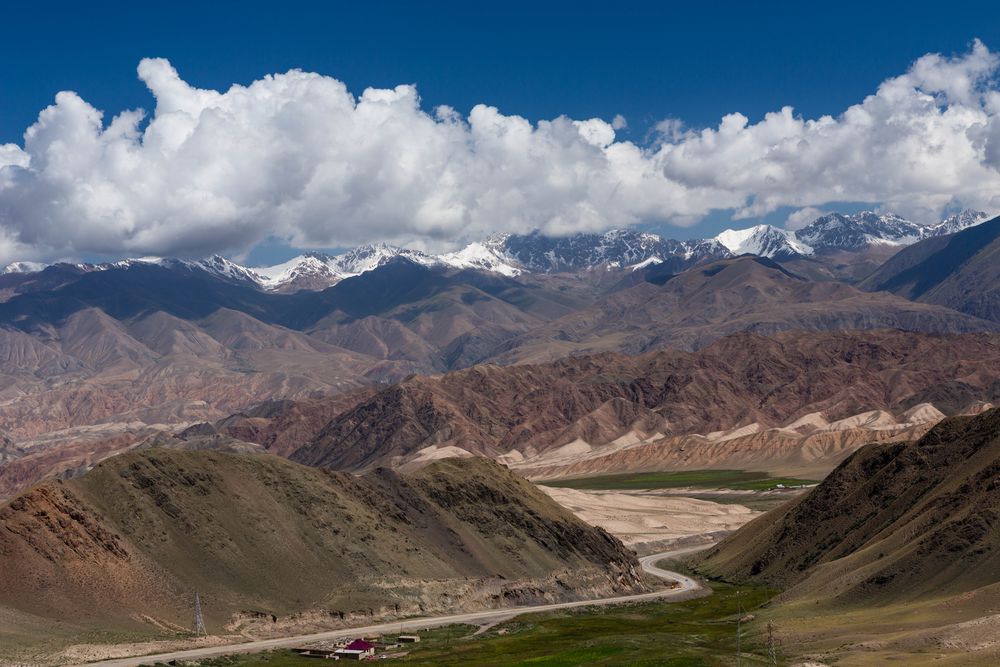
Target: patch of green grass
741,480
282,658
751,499
694,633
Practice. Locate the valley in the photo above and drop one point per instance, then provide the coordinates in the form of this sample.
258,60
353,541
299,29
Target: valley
272,547
535,334
430,443
683,588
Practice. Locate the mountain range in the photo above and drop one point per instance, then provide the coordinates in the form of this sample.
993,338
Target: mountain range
374,417
511,254
746,392
95,359
960,271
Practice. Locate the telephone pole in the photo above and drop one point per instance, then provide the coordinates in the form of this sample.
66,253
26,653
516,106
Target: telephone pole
199,622
739,620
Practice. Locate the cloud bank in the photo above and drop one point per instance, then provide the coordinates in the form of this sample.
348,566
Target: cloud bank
299,157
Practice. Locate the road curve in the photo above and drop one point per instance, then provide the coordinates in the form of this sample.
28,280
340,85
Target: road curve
686,586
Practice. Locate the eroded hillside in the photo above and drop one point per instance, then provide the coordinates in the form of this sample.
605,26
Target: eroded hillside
262,539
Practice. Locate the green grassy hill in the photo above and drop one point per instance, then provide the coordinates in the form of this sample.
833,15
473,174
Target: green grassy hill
269,542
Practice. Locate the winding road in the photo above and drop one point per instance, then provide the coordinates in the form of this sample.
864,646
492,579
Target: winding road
686,586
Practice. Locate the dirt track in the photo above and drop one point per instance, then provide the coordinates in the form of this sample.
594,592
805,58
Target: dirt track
687,586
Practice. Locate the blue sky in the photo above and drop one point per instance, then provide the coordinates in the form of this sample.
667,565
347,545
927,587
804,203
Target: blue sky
644,61
647,61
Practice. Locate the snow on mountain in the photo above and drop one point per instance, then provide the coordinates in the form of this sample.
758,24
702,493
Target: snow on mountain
224,268
651,261
958,222
369,257
316,270
23,267
867,228
764,241
861,230
616,248
216,265
310,271
702,250
488,255
513,254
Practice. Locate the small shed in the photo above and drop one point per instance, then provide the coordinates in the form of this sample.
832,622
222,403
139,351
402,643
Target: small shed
408,639
358,649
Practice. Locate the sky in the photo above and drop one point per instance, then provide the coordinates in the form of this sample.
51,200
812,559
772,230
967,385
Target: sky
256,130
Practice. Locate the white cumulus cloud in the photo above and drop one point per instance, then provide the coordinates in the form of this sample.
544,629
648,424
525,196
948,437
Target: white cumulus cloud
299,157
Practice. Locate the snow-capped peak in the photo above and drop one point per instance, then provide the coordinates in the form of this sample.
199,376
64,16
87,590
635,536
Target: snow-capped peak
369,257
316,270
515,254
763,240
958,222
23,267
309,267
836,231
485,256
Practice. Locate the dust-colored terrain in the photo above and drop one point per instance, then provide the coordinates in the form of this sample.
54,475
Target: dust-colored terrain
808,446
649,516
694,308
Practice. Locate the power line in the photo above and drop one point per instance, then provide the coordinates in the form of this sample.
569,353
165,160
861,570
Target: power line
772,643
199,621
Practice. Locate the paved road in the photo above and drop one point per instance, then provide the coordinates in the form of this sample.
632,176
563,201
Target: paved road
686,586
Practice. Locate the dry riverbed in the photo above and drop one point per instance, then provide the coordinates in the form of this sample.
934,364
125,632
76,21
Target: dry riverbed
651,516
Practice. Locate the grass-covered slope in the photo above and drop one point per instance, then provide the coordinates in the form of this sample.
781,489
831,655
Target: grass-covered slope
133,540
893,523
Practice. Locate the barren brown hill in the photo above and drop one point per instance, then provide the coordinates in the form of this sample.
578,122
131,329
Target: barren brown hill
174,346
959,271
780,451
894,521
896,552
126,547
742,379
95,369
282,426
705,303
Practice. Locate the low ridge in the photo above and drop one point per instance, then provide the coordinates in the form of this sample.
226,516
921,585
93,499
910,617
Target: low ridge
128,545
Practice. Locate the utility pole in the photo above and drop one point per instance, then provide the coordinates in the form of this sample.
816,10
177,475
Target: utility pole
739,620
199,622
772,651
